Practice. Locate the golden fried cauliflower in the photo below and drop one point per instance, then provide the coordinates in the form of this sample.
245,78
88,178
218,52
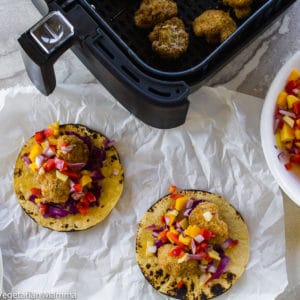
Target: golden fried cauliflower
152,12
171,266
206,215
215,25
242,8
53,189
169,39
72,149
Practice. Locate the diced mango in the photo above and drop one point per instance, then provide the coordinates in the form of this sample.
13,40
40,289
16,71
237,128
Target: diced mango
294,75
33,167
183,223
173,230
61,176
291,99
192,231
278,141
185,240
36,150
85,180
38,200
281,100
213,254
287,133
288,120
297,144
181,202
288,145
52,140
55,127
297,133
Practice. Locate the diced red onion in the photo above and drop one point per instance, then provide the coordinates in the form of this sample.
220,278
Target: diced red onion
189,204
282,157
198,256
59,163
276,124
212,269
199,238
158,243
187,212
48,152
194,249
155,234
32,198
107,143
167,220
66,149
151,227
228,243
41,171
152,249
77,196
295,91
287,113
39,160
76,166
26,160
222,267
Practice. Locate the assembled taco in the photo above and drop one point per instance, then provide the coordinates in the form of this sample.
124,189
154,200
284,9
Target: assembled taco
68,177
192,245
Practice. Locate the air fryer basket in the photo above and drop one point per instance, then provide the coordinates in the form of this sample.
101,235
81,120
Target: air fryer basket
103,35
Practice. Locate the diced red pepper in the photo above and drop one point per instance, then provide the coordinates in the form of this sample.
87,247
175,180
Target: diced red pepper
48,132
39,137
163,236
288,165
298,123
175,196
77,187
36,192
207,234
202,246
295,158
89,197
296,107
83,207
60,164
49,165
43,208
63,144
72,174
173,237
162,219
290,86
177,251
180,284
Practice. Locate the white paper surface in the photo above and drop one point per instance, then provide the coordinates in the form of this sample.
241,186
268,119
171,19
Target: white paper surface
217,149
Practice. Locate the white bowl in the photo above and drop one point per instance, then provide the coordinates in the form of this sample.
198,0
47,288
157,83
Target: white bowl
289,182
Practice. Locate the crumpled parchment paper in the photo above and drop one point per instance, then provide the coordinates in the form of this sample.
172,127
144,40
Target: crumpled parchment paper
217,149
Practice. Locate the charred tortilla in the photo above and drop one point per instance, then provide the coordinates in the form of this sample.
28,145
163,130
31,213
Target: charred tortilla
112,184
166,283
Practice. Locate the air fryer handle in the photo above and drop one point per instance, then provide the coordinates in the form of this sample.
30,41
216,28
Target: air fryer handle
42,45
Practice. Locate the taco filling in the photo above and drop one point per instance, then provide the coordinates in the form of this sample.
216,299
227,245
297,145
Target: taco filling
184,238
63,169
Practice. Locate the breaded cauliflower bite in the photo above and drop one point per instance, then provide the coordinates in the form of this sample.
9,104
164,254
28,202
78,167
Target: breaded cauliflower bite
72,149
152,12
171,266
206,215
53,189
169,39
242,8
215,25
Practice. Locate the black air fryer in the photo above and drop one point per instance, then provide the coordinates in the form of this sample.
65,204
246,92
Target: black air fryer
103,35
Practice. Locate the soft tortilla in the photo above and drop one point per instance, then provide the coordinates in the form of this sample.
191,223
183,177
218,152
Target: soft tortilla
165,283
112,185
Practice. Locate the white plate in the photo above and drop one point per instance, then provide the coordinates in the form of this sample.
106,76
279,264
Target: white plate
289,183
